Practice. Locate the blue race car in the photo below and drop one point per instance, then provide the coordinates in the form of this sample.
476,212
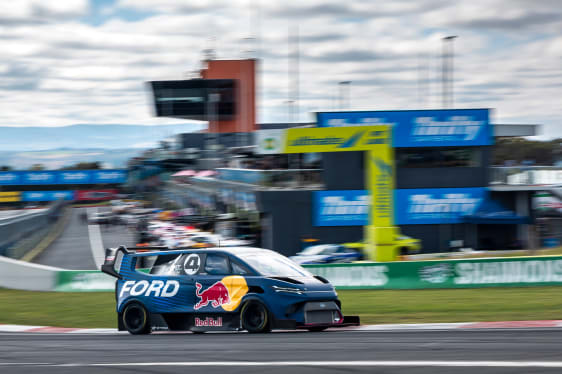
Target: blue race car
231,288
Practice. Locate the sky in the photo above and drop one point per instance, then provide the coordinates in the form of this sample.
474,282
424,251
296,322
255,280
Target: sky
79,61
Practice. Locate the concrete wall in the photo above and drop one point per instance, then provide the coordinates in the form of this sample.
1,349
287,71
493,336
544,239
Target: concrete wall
26,276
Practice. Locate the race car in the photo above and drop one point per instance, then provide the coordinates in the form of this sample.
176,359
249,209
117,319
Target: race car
328,254
214,289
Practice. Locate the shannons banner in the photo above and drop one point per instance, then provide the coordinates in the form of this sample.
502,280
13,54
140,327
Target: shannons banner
508,272
421,128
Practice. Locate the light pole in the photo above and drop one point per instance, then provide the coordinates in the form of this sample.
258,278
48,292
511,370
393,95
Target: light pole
344,90
447,73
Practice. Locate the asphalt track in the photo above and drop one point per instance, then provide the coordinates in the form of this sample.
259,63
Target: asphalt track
413,352
71,250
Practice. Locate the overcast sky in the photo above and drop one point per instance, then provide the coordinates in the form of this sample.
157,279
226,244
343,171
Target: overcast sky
77,61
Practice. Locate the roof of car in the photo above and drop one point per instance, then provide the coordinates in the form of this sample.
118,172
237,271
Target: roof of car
231,250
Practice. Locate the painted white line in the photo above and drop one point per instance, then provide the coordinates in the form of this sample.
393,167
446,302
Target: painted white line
96,244
413,326
498,364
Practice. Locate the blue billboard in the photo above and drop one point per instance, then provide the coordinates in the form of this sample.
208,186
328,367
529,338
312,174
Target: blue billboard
421,128
411,206
340,208
54,177
47,195
436,205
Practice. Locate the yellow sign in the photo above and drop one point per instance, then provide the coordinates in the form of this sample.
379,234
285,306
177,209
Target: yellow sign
10,197
336,139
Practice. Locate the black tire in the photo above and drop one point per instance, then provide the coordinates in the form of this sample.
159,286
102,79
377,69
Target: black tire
255,317
316,329
136,319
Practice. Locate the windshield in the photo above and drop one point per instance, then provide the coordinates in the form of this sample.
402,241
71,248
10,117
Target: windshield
274,265
319,250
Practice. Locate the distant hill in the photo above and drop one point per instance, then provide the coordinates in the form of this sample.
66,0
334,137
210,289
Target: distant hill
58,158
88,136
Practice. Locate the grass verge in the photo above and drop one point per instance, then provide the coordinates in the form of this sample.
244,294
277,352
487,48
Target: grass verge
390,306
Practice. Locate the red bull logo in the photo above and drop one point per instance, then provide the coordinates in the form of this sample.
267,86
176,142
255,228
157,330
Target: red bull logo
208,322
217,295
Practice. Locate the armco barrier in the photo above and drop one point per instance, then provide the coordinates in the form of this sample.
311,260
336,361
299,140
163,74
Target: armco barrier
467,273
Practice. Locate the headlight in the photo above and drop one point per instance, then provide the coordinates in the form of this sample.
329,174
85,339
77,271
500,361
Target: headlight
297,291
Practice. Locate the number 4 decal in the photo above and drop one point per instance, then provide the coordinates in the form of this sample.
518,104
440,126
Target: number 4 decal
192,264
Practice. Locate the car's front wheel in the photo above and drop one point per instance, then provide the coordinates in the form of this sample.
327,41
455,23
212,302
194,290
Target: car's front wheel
136,319
255,317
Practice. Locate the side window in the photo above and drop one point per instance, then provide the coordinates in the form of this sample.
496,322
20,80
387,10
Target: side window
239,269
216,264
167,265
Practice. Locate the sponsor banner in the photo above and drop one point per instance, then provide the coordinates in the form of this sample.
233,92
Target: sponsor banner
47,195
421,128
508,272
10,197
341,208
336,139
83,280
95,194
436,205
109,176
10,178
412,206
63,177
39,177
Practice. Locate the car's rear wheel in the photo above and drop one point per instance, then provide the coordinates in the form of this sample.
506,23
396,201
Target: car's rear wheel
136,319
255,317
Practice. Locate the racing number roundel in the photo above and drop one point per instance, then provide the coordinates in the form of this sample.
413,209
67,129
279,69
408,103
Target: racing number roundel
192,264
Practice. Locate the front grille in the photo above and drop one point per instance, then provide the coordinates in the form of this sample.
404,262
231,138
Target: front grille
320,316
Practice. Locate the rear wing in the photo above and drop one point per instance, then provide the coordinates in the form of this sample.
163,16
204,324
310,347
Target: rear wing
114,257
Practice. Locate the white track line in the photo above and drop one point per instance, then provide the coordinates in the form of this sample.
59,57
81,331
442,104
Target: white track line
498,364
96,244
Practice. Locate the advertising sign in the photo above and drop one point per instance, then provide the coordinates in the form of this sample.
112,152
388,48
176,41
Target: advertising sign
74,177
95,194
306,140
421,128
341,208
436,205
10,197
53,177
39,177
10,178
47,195
469,273
109,176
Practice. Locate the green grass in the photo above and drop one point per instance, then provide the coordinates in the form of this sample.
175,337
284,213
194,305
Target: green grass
94,309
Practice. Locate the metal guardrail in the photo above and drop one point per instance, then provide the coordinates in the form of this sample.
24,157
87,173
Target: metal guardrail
526,175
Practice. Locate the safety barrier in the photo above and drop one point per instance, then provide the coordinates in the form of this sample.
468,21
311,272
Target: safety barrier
20,234
466,273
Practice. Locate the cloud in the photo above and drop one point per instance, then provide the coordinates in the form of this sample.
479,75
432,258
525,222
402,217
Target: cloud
76,70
